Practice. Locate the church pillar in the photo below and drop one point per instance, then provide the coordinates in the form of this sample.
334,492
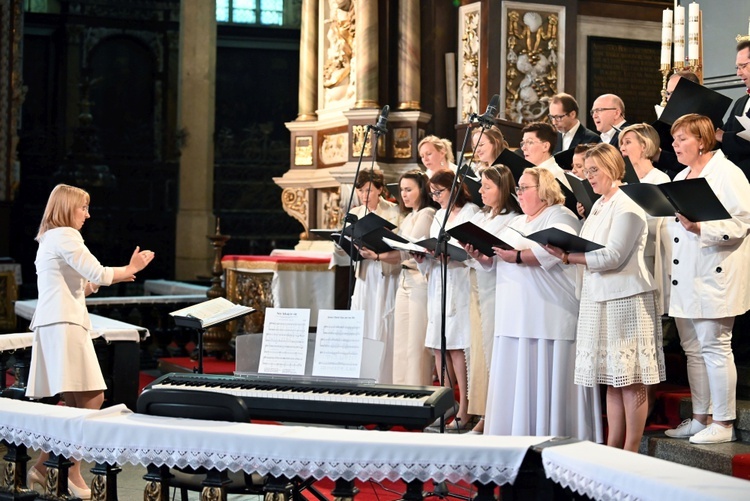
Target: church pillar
408,55
366,54
308,62
197,83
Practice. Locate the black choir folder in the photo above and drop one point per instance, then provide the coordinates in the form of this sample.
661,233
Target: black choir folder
209,313
455,252
693,198
583,192
366,232
562,239
481,240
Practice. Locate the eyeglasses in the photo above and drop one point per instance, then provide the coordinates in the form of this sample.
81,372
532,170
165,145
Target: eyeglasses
590,172
85,208
741,66
521,189
596,111
557,118
437,193
529,143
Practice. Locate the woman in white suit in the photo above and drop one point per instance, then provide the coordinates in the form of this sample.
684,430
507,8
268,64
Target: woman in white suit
709,287
62,353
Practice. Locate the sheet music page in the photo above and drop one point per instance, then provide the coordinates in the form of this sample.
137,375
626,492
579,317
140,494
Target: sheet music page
284,348
338,345
745,122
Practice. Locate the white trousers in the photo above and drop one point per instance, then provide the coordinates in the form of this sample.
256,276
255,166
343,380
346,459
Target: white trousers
412,362
710,365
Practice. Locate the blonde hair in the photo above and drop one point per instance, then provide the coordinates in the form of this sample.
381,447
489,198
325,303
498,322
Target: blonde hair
442,145
646,135
608,159
548,188
61,205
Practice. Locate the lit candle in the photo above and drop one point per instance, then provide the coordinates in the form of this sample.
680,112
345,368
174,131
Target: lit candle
666,36
679,36
693,31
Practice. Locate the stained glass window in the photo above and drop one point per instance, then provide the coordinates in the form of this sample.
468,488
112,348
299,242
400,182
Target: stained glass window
264,12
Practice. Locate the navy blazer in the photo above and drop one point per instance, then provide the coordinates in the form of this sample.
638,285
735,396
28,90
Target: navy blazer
582,136
734,147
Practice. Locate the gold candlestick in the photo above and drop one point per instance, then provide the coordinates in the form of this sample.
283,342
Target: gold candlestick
665,69
216,338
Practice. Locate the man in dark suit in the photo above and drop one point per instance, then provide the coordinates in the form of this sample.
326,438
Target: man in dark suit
608,113
734,147
563,114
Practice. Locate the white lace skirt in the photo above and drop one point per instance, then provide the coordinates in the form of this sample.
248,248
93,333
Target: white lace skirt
619,342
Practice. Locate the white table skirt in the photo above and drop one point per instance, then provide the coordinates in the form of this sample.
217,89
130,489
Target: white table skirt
117,436
109,329
606,473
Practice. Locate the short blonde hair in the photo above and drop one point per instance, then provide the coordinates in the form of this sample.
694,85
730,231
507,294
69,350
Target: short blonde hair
608,159
442,145
644,134
547,186
61,205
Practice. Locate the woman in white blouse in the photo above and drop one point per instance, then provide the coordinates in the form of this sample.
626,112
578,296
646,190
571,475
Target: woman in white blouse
458,291
619,330
436,153
62,353
412,361
710,283
500,207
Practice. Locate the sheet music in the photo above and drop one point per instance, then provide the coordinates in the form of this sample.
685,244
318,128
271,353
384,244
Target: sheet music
744,122
338,344
284,349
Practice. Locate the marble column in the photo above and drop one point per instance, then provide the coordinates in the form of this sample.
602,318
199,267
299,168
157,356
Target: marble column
366,53
196,88
408,55
308,62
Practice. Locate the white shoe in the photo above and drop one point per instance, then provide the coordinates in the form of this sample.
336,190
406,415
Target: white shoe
686,429
714,434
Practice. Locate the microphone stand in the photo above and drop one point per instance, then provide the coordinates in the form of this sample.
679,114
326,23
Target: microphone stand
351,218
442,248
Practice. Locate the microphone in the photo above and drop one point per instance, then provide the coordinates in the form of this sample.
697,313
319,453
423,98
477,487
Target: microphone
488,119
379,127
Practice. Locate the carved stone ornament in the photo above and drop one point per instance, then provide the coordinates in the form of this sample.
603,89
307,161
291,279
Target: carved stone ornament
358,137
330,209
402,143
469,57
338,31
303,150
333,150
295,202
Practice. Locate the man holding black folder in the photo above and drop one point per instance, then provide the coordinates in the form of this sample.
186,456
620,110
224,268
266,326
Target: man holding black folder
734,147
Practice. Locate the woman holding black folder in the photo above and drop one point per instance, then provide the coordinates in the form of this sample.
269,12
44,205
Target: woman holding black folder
709,282
500,207
619,340
412,361
531,390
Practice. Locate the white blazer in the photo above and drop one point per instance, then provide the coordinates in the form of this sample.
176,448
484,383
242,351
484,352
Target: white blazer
63,266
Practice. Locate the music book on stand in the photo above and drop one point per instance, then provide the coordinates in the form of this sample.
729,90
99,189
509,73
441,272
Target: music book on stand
480,239
693,198
209,313
562,239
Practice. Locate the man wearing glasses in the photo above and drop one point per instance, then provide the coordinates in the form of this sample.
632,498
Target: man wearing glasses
563,114
608,113
734,147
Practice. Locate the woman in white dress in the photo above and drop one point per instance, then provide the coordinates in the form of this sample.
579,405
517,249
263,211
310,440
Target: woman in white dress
62,353
619,330
710,268
412,361
436,154
531,390
458,292
375,287
500,207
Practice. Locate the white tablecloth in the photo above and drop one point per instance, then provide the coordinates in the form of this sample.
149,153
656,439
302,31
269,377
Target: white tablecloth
111,330
117,436
606,473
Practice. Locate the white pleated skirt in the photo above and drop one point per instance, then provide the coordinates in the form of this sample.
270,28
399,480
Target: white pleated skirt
63,359
531,392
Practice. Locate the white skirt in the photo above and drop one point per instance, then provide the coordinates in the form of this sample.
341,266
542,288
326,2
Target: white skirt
63,359
531,392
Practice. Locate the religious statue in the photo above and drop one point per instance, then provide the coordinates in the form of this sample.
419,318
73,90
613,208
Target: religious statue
338,77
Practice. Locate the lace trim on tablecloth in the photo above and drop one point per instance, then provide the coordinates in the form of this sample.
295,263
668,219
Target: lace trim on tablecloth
582,484
499,474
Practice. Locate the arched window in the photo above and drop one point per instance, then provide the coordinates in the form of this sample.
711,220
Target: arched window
258,12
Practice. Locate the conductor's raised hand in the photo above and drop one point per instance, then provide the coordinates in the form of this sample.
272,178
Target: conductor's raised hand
140,259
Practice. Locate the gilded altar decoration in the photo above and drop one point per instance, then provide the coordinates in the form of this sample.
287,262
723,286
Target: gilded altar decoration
359,132
330,208
402,142
469,57
531,59
333,149
303,150
338,52
295,203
